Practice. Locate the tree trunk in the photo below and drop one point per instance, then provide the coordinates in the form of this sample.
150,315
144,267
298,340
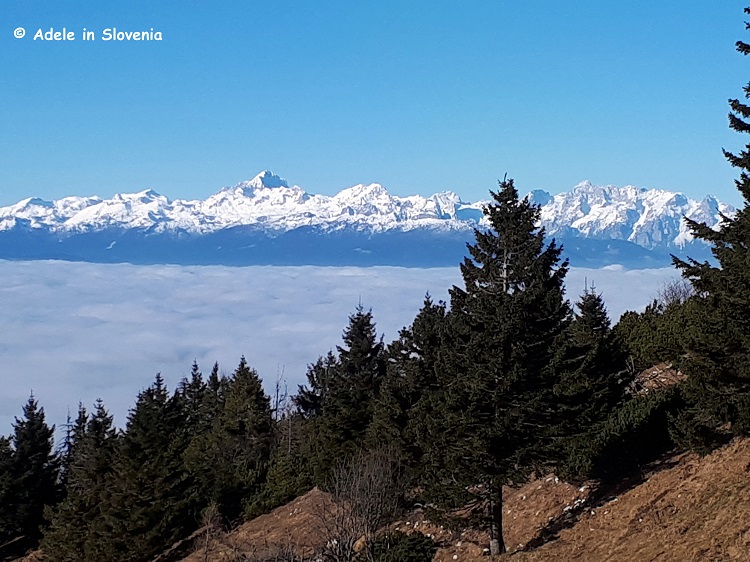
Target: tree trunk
497,544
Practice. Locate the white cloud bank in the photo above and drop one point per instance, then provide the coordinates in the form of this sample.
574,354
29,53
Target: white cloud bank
76,331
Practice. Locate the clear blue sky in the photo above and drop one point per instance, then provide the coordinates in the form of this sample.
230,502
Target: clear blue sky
419,96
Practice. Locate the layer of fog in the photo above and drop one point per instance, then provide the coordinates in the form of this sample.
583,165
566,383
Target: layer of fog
77,332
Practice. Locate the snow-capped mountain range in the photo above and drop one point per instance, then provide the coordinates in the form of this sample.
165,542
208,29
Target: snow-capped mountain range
265,201
270,214
650,218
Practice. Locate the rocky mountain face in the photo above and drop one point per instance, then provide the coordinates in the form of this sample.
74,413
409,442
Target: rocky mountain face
651,218
264,220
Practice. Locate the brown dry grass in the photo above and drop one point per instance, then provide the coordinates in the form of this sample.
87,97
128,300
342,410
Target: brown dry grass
695,510
296,524
691,509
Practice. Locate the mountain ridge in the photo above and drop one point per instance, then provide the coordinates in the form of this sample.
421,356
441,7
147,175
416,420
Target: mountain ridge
266,208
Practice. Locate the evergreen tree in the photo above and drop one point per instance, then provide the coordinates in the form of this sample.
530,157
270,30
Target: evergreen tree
33,481
191,396
77,529
635,433
657,334
485,424
7,515
289,474
212,402
231,460
74,432
320,375
361,368
341,395
148,504
718,358
592,381
411,364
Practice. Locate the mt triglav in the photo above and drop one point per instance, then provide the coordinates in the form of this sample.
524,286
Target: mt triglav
265,221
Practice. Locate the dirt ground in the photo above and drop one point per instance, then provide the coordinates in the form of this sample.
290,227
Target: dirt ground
296,524
690,509
694,510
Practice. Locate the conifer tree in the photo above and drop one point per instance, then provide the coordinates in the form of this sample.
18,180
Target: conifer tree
718,358
74,432
77,529
341,395
314,406
33,482
148,505
657,334
212,402
231,460
7,515
592,379
411,361
361,367
191,395
484,426
289,474
311,397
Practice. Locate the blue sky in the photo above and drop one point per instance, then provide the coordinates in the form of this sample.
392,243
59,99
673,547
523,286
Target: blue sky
419,96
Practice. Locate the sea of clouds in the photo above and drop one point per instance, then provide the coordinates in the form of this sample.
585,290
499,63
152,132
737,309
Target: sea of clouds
75,332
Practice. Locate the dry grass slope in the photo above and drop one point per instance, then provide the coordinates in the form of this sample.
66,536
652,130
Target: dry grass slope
695,510
692,509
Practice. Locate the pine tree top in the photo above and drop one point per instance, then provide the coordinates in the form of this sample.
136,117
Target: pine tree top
512,255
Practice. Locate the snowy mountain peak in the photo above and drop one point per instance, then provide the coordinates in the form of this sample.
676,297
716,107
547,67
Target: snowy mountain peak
265,179
583,186
539,197
363,192
31,202
145,196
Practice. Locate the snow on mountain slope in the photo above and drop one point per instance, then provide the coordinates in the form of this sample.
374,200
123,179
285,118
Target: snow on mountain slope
649,218
266,201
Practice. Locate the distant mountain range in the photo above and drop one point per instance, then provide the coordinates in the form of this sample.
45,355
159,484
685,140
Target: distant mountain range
265,221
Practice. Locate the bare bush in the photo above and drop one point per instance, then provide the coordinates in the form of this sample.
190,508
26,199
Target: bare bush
367,492
211,520
675,291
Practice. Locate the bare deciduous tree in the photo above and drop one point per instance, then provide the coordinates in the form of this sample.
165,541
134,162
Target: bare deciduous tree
675,291
367,491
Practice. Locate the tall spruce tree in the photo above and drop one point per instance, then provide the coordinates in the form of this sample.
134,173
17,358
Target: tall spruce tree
212,402
148,505
411,364
718,358
484,425
362,366
289,474
247,423
230,460
591,367
74,432
33,482
7,518
77,529
191,396
311,397
340,398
